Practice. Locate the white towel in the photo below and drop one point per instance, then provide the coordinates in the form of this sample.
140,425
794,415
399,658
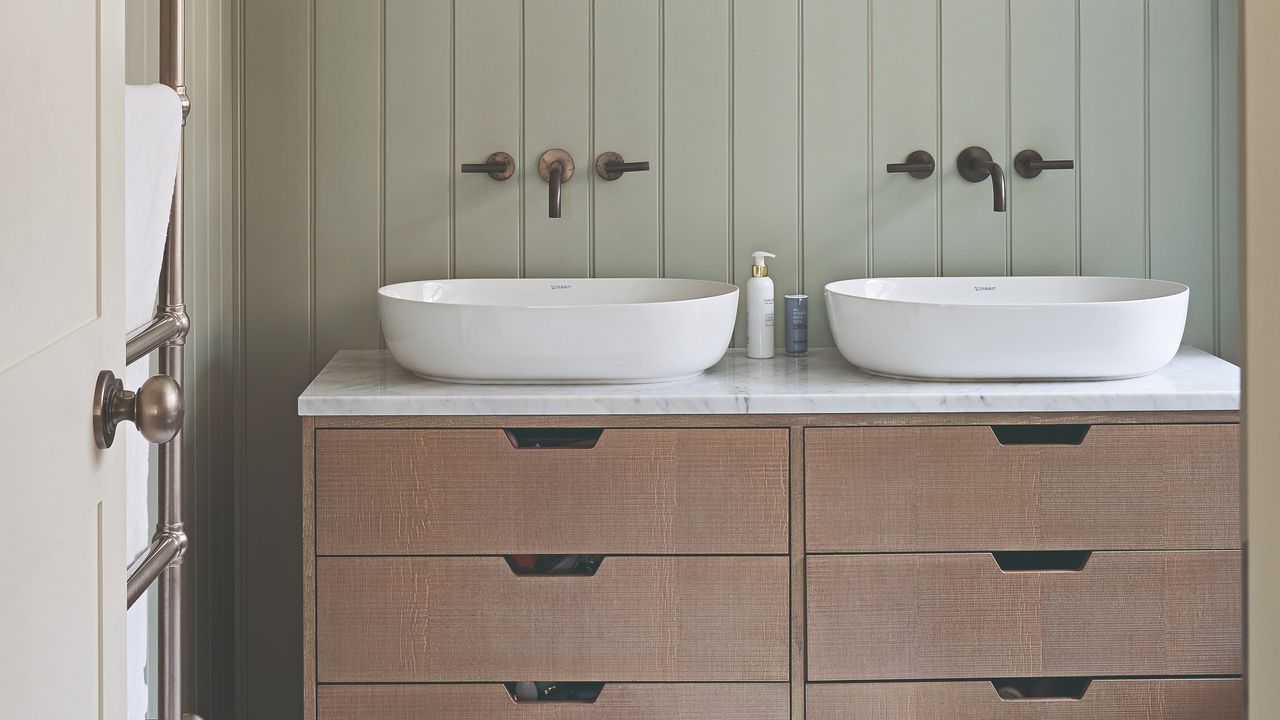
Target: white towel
152,142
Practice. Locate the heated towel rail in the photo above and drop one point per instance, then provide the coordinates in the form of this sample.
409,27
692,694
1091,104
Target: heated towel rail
167,333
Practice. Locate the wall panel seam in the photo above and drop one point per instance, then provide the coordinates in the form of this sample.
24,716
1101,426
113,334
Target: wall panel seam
382,152
871,147
732,114
311,193
239,430
938,239
591,137
1079,153
662,138
800,286
521,151
1146,125
1216,179
1008,133
453,138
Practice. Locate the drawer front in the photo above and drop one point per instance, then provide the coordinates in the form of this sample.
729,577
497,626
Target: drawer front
424,492
617,701
652,619
1199,699
959,616
943,489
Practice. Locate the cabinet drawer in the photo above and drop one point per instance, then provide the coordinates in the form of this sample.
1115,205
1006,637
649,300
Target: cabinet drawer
617,701
654,619
929,489
1199,699
423,492
958,616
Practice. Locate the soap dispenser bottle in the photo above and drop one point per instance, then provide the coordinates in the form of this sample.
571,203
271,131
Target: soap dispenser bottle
760,308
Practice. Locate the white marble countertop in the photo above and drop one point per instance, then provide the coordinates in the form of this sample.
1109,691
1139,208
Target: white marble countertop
369,382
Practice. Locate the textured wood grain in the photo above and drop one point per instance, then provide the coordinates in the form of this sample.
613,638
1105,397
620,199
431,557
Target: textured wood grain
411,492
797,573
874,617
470,619
957,488
1192,699
618,701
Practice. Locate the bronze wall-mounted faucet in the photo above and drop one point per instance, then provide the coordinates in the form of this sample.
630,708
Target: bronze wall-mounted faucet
975,165
555,166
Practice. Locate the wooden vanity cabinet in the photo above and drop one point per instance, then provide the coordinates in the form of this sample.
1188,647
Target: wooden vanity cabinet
830,567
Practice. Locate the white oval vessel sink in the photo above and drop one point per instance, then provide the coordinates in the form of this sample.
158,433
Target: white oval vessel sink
600,330
1008,328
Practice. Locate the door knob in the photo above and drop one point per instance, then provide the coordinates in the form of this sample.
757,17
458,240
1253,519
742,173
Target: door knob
1029,163
919,165
498,166
611,166
156,408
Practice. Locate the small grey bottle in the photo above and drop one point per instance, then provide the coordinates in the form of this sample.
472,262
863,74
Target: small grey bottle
796,312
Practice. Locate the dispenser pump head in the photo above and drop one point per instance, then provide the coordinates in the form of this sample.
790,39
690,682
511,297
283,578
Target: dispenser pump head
758,266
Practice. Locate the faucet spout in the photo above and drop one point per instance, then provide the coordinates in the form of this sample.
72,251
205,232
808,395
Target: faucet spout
554,183
555,166
975,165
1001,196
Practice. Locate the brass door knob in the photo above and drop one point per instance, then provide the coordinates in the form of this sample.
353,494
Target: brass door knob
156,408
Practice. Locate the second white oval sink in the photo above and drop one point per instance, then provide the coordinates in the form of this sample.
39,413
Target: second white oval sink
599,330
1008,328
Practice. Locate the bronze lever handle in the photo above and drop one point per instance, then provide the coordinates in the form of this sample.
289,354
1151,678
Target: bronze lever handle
919,165
498,166
1029,164
611,166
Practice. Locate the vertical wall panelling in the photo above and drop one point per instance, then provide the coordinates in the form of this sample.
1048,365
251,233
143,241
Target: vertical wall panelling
348,174
1228,191
276,197
697,130
836,148
766,143
487,111
904,117
1042,95
626,91
975,111
1112,161
557,114
418,167
1182,155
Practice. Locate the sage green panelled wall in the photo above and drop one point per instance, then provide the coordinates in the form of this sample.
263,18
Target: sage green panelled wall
768,124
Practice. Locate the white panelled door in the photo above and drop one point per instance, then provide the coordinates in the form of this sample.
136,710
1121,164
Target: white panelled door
62,564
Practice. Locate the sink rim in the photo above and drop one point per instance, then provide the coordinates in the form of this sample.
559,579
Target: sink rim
714,289
843,288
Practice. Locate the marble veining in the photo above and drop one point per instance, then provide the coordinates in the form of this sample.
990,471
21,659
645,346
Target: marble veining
369,382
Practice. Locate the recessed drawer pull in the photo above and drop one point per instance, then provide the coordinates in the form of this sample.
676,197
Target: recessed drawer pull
1042,560
529,691
1044,688
554,565
547,438
1040,434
